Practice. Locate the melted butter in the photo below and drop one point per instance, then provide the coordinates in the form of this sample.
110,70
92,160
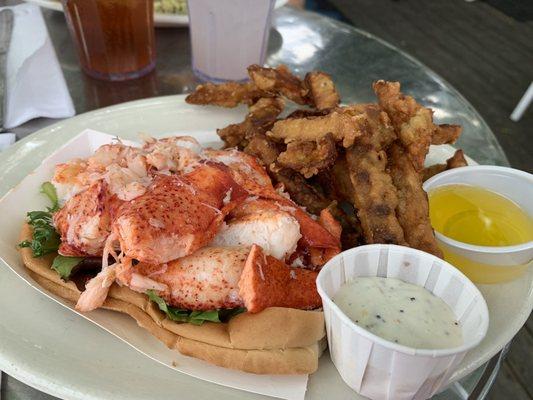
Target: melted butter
400,312
474,215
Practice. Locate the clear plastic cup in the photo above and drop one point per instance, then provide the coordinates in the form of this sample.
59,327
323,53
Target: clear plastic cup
227,36
487,264
114,38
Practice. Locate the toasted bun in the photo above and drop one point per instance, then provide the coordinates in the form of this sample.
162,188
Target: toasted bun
274,341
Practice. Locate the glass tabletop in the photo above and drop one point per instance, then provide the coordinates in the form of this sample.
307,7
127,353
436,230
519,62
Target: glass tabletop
303,41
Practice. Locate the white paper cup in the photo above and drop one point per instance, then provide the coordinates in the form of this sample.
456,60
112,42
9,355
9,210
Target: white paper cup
486,264
380,369
227,36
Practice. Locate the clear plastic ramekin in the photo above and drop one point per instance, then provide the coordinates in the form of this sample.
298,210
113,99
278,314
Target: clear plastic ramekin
380,369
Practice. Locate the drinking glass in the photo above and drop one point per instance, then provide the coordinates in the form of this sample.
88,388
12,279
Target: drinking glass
227,36
114,38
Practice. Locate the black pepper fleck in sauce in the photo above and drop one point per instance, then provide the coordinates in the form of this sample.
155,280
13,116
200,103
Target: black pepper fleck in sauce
400,312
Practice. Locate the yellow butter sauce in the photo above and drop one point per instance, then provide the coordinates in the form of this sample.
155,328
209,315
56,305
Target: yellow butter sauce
478,216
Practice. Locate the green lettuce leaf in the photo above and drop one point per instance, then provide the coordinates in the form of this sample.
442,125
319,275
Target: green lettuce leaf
65,265
49,190
193,317
45,239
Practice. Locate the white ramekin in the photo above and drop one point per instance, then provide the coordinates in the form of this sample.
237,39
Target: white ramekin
485,264
380,369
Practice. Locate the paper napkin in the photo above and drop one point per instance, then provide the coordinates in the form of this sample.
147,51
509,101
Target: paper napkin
35,86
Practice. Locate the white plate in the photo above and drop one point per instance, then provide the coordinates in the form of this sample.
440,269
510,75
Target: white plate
160,20
56,351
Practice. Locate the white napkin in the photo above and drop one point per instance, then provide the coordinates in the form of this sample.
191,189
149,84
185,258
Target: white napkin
35,86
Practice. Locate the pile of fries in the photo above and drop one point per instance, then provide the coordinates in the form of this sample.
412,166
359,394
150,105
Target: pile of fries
365,162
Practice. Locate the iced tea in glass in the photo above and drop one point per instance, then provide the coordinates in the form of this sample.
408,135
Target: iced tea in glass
114,38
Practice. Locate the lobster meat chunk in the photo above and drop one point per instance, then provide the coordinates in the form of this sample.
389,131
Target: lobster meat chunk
268,282
224,277
84,222
205,280
177,215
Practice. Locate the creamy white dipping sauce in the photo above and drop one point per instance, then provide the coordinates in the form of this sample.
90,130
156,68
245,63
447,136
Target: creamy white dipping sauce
400,312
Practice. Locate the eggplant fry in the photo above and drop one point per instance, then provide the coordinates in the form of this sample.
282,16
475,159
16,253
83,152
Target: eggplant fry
301,191
352,233
446,134
265,150
336,181
279,81
365,162
229,94
343,127
322,92
305,113
375,196
413,208
260,118
378,127
265,110
413,123
234,135
457,160
309,157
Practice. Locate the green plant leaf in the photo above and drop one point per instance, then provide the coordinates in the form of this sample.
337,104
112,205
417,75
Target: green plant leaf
45,239
193,317
65,265
49,190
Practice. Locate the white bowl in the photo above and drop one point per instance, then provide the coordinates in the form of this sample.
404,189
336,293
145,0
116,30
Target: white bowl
487,264
380,369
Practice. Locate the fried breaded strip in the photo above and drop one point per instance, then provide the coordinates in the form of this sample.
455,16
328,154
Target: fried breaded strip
457,160
375,196
413,123
264,149
446,133
412,210
309,157
343,127
378,126
229,94
234,135
337,185
322,91
378,134
278,80
352,233
335,182
265,110
305,113
302,192
260,118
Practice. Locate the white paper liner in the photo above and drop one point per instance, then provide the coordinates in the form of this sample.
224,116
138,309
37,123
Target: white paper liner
380,369
26,197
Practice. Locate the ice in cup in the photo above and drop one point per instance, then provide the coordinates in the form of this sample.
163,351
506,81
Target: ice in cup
114,38
227,36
